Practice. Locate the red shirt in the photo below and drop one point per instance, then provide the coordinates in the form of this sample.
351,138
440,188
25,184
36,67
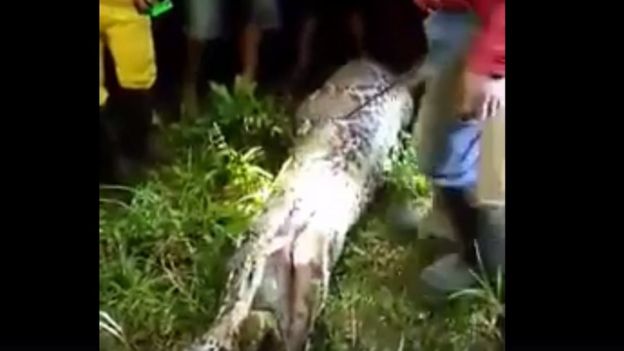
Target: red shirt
487,55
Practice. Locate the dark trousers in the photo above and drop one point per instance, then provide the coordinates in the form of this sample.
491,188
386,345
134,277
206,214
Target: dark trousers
481,230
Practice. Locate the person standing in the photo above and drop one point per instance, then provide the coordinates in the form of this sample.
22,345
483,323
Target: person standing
206,20
343,20
460,133
126,32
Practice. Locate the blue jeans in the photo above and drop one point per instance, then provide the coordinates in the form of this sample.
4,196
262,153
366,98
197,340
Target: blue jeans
448,147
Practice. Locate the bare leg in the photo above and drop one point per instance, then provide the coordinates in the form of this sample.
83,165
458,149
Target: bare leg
190,99
305,45
249,49
356,26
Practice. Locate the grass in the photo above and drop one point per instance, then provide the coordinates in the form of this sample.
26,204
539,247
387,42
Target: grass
165,244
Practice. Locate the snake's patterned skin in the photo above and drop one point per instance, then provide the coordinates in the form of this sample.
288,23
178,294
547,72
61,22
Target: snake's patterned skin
285,263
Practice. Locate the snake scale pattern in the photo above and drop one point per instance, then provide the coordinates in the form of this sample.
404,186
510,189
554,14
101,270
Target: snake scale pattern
285,263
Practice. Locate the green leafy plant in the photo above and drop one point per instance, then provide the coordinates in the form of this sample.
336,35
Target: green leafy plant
162,254
164,251
403,175
247,119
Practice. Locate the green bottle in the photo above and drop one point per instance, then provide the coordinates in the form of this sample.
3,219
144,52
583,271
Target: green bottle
160,7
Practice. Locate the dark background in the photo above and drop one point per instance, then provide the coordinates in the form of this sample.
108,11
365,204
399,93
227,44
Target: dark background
394,36
563,185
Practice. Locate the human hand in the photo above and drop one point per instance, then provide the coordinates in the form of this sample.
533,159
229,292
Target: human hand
142,5
481,96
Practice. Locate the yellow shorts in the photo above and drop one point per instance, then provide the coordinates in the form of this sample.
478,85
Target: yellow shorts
128,36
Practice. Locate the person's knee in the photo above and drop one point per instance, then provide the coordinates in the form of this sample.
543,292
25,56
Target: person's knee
453,158
445,170
205,20
137,73
133,52
139,80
